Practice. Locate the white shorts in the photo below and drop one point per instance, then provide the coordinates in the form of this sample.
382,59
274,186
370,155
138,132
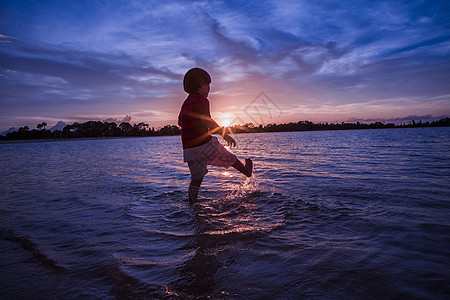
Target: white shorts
211,153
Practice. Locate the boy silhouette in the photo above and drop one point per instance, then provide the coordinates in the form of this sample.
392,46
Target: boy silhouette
200,148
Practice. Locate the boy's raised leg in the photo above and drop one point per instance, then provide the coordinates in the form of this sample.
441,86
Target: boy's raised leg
249,166
247,170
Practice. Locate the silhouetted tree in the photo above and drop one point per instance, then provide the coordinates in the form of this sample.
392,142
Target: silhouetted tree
170,130
126,128
140,129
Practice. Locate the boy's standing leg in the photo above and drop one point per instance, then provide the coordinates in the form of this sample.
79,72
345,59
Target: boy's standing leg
194,186
198,171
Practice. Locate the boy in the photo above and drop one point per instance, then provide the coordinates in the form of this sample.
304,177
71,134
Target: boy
199,147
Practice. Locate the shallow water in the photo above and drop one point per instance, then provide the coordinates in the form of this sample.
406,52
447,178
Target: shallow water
361,214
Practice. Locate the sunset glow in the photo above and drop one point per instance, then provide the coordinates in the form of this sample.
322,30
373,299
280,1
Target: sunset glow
225,120
327,61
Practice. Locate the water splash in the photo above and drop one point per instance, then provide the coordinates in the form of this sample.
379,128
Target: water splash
242,190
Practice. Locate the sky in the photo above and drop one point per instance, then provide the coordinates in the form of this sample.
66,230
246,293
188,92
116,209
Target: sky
270,61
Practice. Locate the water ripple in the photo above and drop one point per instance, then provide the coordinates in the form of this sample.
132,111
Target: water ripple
349,214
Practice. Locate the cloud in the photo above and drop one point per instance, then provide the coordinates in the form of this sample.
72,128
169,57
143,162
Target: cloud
35,76
6,38
58,126
91,59
12,129
126,119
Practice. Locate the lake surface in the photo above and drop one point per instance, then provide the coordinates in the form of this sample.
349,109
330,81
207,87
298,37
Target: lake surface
360,214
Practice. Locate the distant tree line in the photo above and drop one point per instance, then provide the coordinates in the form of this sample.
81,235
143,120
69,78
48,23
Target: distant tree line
310,126
91,129
95,129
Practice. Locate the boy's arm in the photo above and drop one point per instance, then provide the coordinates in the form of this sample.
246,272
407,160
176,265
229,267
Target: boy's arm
216,128
211,124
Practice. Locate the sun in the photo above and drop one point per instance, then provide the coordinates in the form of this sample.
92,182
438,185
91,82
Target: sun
225,120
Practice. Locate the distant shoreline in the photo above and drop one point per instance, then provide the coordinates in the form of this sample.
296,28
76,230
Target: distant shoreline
66,140
105,130
44,140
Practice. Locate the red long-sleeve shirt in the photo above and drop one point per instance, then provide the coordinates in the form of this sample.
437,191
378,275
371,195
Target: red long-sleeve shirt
193,130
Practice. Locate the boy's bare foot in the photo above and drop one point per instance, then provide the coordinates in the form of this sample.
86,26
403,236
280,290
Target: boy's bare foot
194,186
249,167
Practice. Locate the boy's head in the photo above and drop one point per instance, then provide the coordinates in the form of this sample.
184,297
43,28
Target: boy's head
194,79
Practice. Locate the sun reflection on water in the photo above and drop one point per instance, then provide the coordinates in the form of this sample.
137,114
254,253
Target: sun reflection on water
227,174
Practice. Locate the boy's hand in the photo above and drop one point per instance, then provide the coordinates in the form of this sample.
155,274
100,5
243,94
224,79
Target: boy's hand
230,141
